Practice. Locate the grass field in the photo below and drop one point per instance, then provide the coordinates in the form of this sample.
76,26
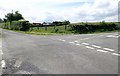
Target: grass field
51,29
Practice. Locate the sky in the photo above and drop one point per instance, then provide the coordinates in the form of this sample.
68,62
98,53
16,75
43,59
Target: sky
60,10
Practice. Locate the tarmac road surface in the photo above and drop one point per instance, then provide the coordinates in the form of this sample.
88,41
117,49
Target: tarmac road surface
59,54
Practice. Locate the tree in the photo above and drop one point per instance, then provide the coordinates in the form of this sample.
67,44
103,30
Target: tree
5,20
9,17
13,16
17,16
66,22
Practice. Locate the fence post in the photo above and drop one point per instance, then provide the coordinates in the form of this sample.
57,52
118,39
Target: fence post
54,27
65,27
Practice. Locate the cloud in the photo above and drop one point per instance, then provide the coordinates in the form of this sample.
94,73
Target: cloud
98,11
73,10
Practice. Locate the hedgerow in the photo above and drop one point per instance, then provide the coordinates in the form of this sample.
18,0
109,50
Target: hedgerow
93,27
16,25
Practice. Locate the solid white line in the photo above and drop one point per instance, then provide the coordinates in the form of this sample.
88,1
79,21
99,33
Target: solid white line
96,46
85,44
108,49
89,47
116,54
102,51
3,63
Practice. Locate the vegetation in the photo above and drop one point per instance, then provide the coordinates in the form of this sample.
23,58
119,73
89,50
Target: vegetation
13,17
1,20
78,28
16,25
51,29
94,27
12,21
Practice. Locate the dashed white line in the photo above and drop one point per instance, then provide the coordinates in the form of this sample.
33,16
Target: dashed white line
116,54
76,41
96,46
85,44
63,40
71,42
113,36
60,39
78,44
89,47
110,36
1,52
3,63
102,51
108,49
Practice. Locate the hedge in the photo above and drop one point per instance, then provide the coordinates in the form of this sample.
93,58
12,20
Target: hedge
16,25
89,27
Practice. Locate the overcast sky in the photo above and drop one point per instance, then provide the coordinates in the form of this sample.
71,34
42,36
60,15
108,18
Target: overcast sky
60,10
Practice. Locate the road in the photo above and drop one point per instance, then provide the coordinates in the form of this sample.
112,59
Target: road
59,54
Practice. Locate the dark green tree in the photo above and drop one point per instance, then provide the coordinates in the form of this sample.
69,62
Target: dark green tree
5,20
13,16
17,16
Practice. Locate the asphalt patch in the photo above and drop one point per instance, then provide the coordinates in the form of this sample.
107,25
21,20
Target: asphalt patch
23,67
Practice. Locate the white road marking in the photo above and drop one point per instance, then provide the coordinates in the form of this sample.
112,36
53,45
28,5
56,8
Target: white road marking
89,47
3,63
1,52
71,42
113,36
102,51
108,49
63,40
60,39
96,46
76,41
117,36
116,54
85,44
110,36
78,44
